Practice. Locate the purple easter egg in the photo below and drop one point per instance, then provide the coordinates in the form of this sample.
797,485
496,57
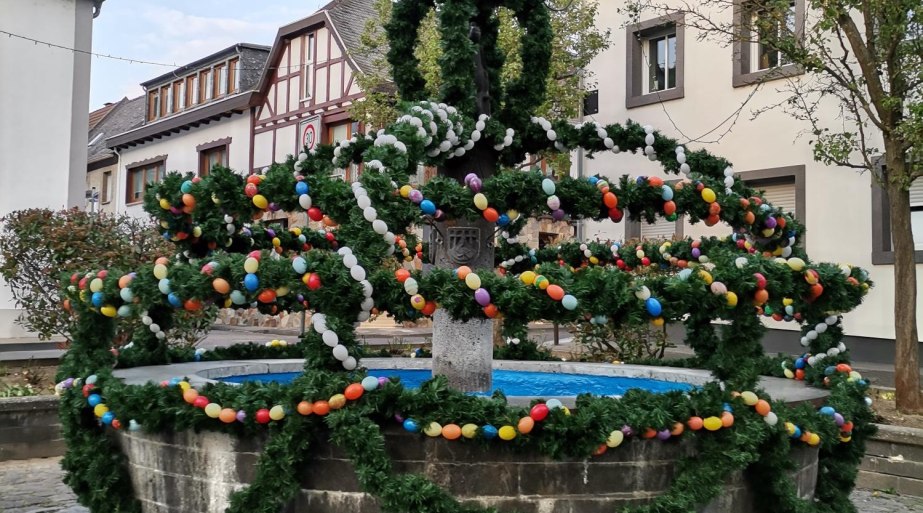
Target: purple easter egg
838,419
176,211
241,415
469,177
300,298
627,431
663,434
475,185
416,196
557,214
382,381
482,297
69,382
270,232
696,252
246,231
770,222
399,418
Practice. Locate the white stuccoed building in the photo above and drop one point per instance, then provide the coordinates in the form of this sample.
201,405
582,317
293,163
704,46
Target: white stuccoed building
44,98
694,96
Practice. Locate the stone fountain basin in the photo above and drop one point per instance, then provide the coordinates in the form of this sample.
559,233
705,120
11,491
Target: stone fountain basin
188,472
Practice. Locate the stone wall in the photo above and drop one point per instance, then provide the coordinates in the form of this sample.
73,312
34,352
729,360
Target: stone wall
894,461
29,428
195,472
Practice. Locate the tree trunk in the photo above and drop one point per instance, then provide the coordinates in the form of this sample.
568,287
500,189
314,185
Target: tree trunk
906,346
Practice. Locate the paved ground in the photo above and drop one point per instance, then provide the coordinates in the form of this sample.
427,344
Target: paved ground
34,486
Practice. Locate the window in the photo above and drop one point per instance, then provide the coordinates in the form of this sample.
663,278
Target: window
662,229
153,105
234,76
342,132
209,158
655,61
170,98
165,101
142,174
782,187
308,74
180,95
107,186
192,91
760,25
882,245
221,73
208,85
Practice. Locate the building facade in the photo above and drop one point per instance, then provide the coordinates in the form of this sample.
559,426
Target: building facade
310,83
658,72
45,106
195,117
102,162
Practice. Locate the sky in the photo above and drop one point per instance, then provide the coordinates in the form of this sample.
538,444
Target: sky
177,31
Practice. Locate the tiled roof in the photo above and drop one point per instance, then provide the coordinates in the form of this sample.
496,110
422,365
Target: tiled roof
97,115
349,18
125,115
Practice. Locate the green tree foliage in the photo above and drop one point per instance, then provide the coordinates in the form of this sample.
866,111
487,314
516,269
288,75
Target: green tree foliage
40,246
864,62
577,41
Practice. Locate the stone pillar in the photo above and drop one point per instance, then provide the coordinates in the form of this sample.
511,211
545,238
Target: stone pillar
463,351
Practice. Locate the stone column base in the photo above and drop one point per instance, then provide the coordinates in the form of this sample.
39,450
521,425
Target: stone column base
463,352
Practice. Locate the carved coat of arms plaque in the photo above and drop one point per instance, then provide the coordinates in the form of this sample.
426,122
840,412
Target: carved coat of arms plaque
463,244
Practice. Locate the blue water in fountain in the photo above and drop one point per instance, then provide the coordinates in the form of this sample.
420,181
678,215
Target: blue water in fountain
512,383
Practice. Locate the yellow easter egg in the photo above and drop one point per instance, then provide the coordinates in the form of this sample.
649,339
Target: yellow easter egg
405,191
507,433
434,429
469,430
615,439
706,277
275,413
709,195
100,409
527,277
96,285
731,299
337,401
108,311
594,260
749,398
184,385
260,201
160,271
712,423
164,204
251,265
480,201
787,301
473,281
512,214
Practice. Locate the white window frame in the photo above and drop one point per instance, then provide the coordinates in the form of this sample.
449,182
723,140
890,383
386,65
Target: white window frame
210,85
157,104
646,53
195,89
182,95
307,77
756,45
223,81
170,99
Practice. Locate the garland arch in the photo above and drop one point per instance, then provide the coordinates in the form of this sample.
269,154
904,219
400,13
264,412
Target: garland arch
229,259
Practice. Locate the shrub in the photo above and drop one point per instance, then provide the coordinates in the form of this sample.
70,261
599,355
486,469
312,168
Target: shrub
40,247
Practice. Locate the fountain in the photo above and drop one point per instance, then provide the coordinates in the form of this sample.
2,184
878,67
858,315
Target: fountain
339,437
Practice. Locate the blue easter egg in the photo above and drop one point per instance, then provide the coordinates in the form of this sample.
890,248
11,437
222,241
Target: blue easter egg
94,399
411,425
685,274
108,417
503,220
238,297
727,408
97,299
593,180
174,300
827,410
186,187
428,207
666,193
548,186
302,188
369,383
830,370
91,379
251,282
197,357
174,381
489,432
300,265
653,306
126,294
640,180
797,433
164,285
569,302
799,363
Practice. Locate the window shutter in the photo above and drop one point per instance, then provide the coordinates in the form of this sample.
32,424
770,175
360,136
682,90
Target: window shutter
662,229
916,193
781,195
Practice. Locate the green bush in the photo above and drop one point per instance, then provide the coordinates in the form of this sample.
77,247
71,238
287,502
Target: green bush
40,247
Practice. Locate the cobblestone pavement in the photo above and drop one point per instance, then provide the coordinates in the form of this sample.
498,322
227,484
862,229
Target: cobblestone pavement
34,486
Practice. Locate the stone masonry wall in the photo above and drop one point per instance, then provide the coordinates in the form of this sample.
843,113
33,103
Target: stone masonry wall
29,428
195,472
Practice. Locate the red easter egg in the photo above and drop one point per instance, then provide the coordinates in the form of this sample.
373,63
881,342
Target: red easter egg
315,214
354,391
539,412
262,416
200,401
267,296
314,282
